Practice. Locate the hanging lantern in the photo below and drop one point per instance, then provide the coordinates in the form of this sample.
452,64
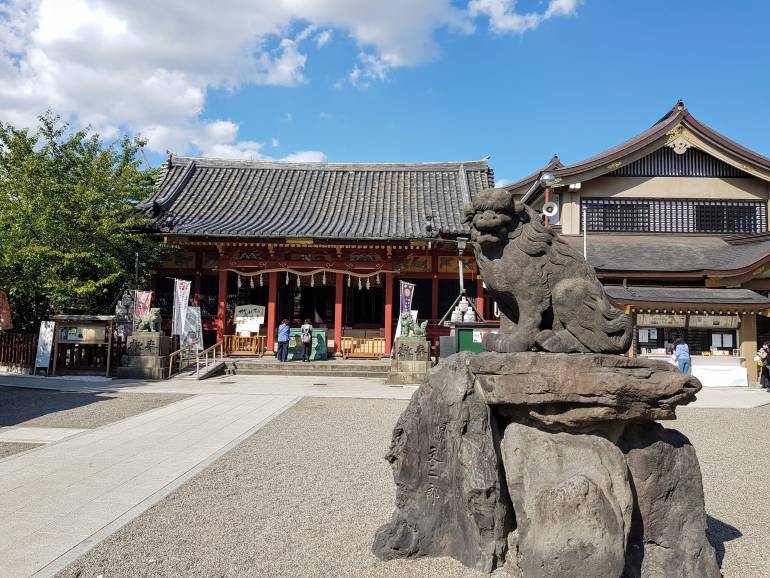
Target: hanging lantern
251,281
312,280
261,283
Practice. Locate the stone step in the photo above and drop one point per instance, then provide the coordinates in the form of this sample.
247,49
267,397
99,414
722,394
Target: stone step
306,372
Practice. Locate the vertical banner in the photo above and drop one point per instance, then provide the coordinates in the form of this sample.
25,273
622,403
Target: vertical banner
407,292
193,331
44,344
181,299
5,313
142,300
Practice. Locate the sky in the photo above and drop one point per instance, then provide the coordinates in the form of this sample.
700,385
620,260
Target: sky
389,80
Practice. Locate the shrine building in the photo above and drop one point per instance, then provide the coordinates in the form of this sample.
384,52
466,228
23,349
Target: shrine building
325,242
675,222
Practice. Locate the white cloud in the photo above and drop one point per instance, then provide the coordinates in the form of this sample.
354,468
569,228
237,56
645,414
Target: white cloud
503,17
306,157
323,38
275,143
147,66
499,183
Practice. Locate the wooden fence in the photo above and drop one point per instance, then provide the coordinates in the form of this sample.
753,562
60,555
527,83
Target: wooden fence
363,347
18,349
237,345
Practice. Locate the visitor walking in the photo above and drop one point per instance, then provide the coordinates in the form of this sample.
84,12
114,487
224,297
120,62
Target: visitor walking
283,340
682,355
307,339
763,358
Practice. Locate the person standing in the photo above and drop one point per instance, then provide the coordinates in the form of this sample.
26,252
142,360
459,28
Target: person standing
763,358
283,340
682,355
307,339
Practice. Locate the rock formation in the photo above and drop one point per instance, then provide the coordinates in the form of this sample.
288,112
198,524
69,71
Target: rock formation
554,459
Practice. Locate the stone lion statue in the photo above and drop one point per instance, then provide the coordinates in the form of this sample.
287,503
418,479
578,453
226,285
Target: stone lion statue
549,297
151,322
410,328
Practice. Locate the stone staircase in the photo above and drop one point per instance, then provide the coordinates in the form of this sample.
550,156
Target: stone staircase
332,368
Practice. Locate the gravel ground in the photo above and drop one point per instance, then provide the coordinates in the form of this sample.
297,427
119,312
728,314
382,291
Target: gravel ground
50,408
733,447
305,494
9,448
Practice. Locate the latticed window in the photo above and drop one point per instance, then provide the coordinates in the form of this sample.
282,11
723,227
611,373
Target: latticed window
674,216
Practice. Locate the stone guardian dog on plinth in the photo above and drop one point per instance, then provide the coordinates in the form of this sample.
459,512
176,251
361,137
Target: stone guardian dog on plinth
543,455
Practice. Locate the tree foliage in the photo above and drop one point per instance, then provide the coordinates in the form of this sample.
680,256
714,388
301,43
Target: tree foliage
68,228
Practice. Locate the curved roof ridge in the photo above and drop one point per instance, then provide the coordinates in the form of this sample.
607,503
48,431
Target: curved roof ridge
308,165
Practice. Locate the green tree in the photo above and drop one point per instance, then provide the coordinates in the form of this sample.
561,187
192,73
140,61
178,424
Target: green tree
68,228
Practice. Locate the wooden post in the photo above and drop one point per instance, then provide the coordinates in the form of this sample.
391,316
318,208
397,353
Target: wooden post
747,344
434,313
198,279
272,298
109,347
55,347
480,296
546,199
221,302
388,312
338,288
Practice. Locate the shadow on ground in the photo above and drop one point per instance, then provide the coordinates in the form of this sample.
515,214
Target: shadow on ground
19,405
718,533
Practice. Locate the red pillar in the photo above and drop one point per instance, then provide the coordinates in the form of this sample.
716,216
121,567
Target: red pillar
272,295
198,280
338,287
221,303
480,295
434,298
388,312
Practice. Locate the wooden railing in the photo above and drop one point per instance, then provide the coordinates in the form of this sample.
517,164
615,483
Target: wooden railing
364,347
209,357
18,349
238,345
180,359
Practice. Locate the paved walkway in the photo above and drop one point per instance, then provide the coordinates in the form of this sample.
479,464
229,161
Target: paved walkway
59,500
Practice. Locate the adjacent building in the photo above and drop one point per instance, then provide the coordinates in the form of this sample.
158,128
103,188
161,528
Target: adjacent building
675,222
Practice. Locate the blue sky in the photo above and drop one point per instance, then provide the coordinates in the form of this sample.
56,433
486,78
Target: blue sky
437,80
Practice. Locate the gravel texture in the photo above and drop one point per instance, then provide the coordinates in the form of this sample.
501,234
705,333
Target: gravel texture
50,408
10,448
733,447
304,495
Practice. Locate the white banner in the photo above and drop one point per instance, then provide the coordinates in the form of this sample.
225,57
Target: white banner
193,331
44,344
181,300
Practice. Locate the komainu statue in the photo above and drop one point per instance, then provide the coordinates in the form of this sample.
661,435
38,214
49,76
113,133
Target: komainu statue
151,322
409,327
548,295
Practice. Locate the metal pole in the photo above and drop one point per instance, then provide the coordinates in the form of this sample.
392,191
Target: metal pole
460,268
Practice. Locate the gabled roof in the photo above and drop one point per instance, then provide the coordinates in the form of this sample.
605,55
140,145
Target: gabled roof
521,186
678,122
274,199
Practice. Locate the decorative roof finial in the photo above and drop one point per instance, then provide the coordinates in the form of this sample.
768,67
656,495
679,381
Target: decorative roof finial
679,104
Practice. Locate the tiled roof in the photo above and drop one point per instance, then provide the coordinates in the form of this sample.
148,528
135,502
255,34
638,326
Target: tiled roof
223,198
660,253
703,295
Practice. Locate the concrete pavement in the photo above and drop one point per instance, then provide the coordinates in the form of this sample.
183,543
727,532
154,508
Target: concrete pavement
59,500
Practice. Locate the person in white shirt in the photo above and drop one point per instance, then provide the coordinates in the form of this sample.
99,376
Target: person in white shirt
307,339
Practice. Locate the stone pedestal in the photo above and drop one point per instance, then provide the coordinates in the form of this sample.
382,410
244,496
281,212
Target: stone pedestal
551,463
411,361
146,356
